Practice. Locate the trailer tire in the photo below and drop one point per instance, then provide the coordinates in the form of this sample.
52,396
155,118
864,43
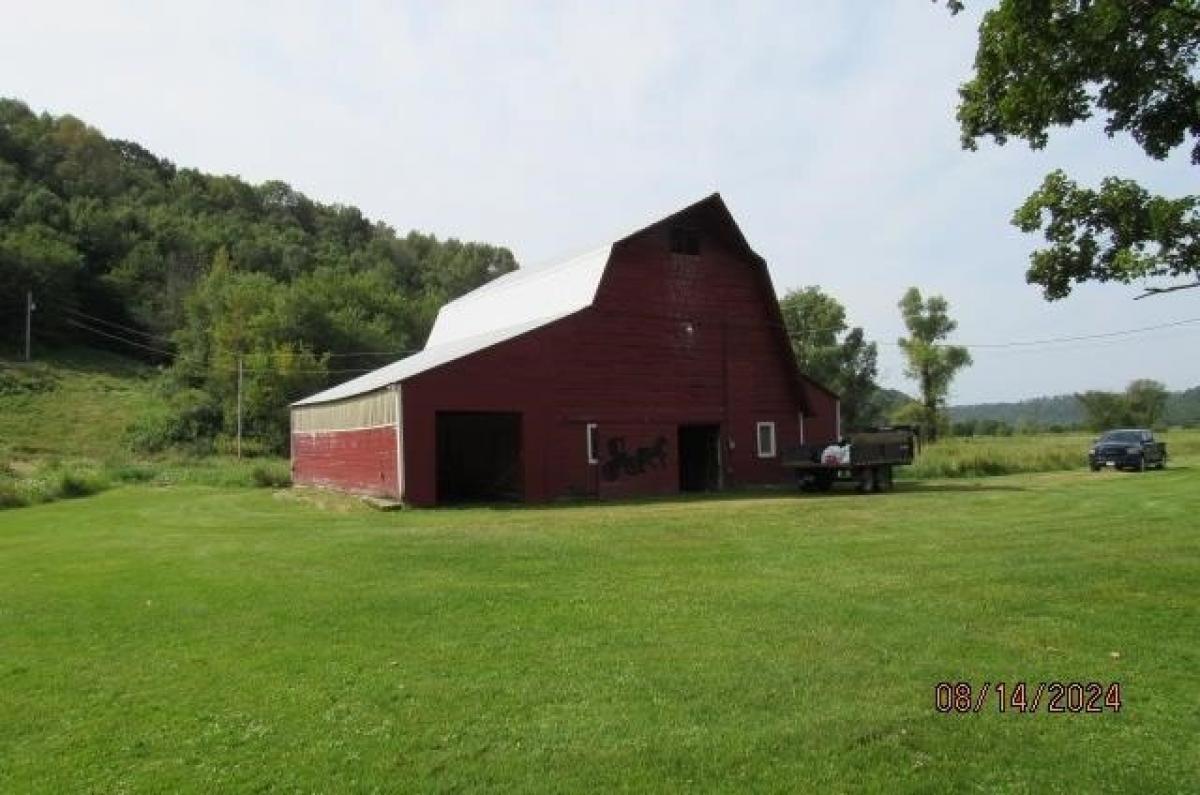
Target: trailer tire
885,478
868,480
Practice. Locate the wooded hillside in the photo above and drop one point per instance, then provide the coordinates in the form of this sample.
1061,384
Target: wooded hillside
1182,408
123,249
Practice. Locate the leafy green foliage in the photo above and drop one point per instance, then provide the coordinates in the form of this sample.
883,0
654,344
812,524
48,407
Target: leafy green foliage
1051,63
846,364
1147,402
930,362
201,270
1048,63
1142,405
1120,233
814,320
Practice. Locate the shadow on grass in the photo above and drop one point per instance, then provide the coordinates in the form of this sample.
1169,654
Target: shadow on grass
951,487
53,361
841,491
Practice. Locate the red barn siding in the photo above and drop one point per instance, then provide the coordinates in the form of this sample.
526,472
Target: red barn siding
360,461
670,340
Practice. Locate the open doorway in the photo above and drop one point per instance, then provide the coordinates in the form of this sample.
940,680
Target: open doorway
699,457
479,457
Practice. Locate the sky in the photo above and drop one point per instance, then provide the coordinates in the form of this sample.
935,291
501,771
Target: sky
549,128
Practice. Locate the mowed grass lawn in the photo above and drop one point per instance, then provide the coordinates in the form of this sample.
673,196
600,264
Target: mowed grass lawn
218,640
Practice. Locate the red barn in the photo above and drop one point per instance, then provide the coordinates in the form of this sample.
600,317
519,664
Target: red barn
658,363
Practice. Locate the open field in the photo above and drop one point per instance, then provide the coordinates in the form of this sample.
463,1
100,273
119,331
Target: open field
213,639
977,456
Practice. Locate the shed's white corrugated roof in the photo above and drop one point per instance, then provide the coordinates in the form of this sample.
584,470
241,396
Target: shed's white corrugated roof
506,307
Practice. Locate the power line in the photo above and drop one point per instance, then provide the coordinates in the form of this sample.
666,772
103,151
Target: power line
118,338
1089,344
373,353
1082,337
119,326
1050,340
110,335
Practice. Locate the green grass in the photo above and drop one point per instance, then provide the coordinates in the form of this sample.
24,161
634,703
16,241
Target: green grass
74,403
1009,455
63,422
31,483
202,639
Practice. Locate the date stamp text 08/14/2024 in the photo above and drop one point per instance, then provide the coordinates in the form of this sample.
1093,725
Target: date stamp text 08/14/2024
1020,697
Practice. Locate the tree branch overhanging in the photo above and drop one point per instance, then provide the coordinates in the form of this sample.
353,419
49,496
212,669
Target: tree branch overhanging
1151,291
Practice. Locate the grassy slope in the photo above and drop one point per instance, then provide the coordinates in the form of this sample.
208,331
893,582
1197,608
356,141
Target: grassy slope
63,422
197,639
75,403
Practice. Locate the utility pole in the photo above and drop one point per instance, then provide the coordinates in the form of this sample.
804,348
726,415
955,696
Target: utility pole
239,409
29,307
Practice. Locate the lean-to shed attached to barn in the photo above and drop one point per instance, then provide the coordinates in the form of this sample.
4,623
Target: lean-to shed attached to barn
654,364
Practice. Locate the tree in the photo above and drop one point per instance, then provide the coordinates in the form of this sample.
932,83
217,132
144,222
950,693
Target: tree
814,320
172,264
1052,63
1142,405
1147,401
913,413
848,365
930,363
858,366
1103,409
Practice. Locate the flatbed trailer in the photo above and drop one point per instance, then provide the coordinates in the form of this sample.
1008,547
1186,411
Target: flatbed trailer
873,457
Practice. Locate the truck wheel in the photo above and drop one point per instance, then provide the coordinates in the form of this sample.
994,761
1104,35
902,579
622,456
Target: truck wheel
1141,463
886,481
867,480
1095,467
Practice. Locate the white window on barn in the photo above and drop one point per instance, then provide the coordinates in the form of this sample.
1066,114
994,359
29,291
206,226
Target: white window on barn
593,443
766,439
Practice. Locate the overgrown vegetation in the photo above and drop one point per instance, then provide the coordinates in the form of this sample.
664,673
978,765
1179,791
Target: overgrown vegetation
979,456
27,483
64,432
122,248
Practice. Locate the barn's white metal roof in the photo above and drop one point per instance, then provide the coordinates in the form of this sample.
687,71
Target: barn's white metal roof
506,307
522,296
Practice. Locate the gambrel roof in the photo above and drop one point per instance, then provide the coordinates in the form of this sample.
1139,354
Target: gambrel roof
511,305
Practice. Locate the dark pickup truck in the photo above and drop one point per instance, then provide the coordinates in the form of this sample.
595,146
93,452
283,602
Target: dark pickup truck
1127,448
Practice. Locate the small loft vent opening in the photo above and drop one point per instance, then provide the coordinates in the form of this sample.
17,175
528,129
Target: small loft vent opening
685,241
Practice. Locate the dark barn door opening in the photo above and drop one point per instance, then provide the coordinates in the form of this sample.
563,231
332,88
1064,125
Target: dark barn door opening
479,457
699,457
